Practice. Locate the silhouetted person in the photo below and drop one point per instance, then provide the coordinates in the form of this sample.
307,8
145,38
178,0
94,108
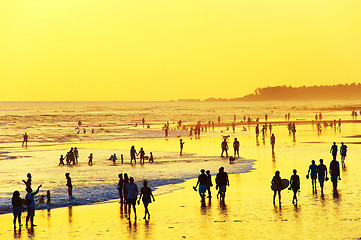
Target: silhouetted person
25,140
28,181
293,129
76,155
48,197
209,183
133,154
151,159
114,158
222,182
166,132
273,142
333,150
233,127
236,147
257,131
335,173
120,188
30,205
16,201
125,191
145,195
69,185
61,160
219,120
343,152
224,146
202,182
90,162
276,187
295,185
122,158
132,191
322,174
313,170
181,143
141,153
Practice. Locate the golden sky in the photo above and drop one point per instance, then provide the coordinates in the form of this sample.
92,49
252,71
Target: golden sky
67,50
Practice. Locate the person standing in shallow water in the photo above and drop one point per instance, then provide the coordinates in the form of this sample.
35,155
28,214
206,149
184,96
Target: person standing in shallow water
181,143
209,183
224,146
322,174
25,140
313,170
120,188
133,154
221,183
17,208
90,162
145,195
132,194
294,185
335,173
273,142
28,181
343,152
236,147
30,203
69,185
202,182
276,187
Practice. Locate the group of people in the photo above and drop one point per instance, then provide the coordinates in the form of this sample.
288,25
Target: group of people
204,184
224,146
71,157
141,154
128,194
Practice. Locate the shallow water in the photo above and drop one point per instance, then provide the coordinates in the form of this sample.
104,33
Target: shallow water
249,213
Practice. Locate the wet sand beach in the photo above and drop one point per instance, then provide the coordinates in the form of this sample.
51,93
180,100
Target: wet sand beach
249,212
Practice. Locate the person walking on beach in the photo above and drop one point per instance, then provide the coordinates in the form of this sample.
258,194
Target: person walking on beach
313,170
202,182
28,181
16,201
294,185
222,182
335,173
132,194
236,147
181,143
25,140
76,154
224,146
125,191
293,129
322,174
257,131
333,150
133,154
90,162
273,142
343,152
120,188
69,185
209,183
30,205
276,187
145,195
141,153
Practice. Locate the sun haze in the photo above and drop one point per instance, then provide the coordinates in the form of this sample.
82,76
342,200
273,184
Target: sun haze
70,50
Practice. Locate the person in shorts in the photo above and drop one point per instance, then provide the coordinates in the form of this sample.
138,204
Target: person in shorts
132,194
313,170
221,183
335,173
30,203
202,182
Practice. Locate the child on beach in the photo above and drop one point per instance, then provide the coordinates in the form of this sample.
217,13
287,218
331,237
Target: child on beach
145,195
151,159
90,162
28,181
61,160
48,200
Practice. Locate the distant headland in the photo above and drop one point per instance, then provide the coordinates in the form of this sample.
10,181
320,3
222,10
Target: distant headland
289,93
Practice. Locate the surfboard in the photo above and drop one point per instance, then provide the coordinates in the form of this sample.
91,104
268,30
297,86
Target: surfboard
285,184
